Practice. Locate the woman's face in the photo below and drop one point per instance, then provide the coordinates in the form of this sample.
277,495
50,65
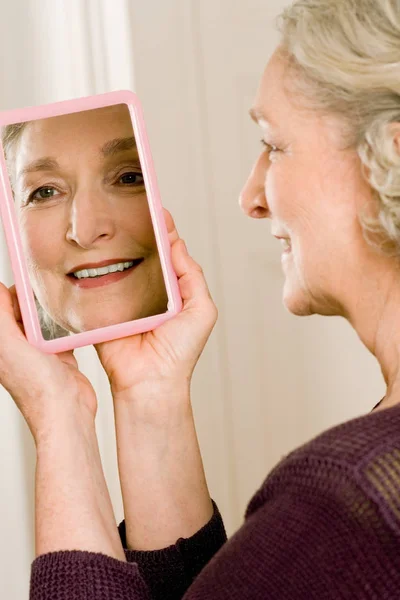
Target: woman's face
81,200
312,191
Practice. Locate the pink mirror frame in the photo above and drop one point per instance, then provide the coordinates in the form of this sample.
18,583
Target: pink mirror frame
18,264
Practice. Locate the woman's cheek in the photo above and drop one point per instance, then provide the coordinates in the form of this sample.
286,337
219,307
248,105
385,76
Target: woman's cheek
40,240
142,229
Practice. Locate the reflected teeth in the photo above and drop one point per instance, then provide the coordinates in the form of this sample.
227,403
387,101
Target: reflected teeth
102,270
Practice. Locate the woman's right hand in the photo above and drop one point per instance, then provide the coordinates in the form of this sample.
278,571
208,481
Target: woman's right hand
48,389
73,509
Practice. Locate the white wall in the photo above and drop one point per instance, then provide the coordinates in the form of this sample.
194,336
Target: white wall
267,381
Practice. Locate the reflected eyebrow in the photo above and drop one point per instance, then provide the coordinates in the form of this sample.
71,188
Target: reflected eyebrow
41,164
118,145
110,148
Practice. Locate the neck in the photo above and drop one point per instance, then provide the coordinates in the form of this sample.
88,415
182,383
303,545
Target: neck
374,312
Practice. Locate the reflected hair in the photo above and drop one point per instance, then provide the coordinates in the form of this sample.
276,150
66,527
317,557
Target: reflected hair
50,329
343,59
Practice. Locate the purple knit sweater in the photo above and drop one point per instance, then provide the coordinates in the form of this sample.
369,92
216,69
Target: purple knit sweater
325,524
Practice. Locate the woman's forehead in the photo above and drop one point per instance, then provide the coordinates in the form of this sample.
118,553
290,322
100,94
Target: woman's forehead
278,108
272,107
97,123
60,135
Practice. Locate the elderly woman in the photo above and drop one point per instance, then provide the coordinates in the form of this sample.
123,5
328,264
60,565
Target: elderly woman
325,524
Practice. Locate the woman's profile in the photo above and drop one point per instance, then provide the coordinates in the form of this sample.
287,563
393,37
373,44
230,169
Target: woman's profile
84,220
325,523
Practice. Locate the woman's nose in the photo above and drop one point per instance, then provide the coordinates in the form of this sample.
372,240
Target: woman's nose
252,199
91,217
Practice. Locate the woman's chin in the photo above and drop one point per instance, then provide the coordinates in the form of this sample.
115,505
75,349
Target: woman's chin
107,320
295,301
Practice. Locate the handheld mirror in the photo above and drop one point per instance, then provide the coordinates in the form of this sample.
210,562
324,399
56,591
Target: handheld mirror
84,223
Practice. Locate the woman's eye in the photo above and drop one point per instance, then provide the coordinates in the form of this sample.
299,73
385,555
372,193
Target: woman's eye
131,178
43,193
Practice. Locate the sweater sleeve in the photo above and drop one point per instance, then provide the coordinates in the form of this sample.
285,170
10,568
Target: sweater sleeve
81,575
161,574
169,572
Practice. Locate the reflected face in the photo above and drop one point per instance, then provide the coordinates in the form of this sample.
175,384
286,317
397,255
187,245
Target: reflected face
82,205
312,190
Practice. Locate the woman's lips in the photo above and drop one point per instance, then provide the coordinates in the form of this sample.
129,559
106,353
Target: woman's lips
95,282
286,244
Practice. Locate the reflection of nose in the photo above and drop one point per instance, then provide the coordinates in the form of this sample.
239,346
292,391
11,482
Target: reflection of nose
252,199
91,217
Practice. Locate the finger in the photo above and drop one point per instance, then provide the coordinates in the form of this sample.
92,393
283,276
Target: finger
17,310
173,235
192,283
199,313
16,307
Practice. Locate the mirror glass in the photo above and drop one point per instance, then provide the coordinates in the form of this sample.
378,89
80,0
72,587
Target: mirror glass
84,220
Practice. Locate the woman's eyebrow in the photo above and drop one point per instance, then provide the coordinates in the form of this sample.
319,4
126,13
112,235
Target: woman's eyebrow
118,145
41,164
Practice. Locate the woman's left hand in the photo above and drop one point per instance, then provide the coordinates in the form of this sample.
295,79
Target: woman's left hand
163,484
165,357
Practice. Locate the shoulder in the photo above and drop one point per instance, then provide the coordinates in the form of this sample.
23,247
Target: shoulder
353,464
350,442
324,524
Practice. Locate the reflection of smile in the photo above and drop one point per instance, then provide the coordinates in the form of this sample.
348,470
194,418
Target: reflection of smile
92,275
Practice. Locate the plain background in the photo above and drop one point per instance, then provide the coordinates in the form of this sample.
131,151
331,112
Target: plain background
267,381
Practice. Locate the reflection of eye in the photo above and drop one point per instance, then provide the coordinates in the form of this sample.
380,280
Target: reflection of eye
131,178
42,193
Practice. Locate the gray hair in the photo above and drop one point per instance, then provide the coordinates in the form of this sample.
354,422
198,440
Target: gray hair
50,329
344,59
